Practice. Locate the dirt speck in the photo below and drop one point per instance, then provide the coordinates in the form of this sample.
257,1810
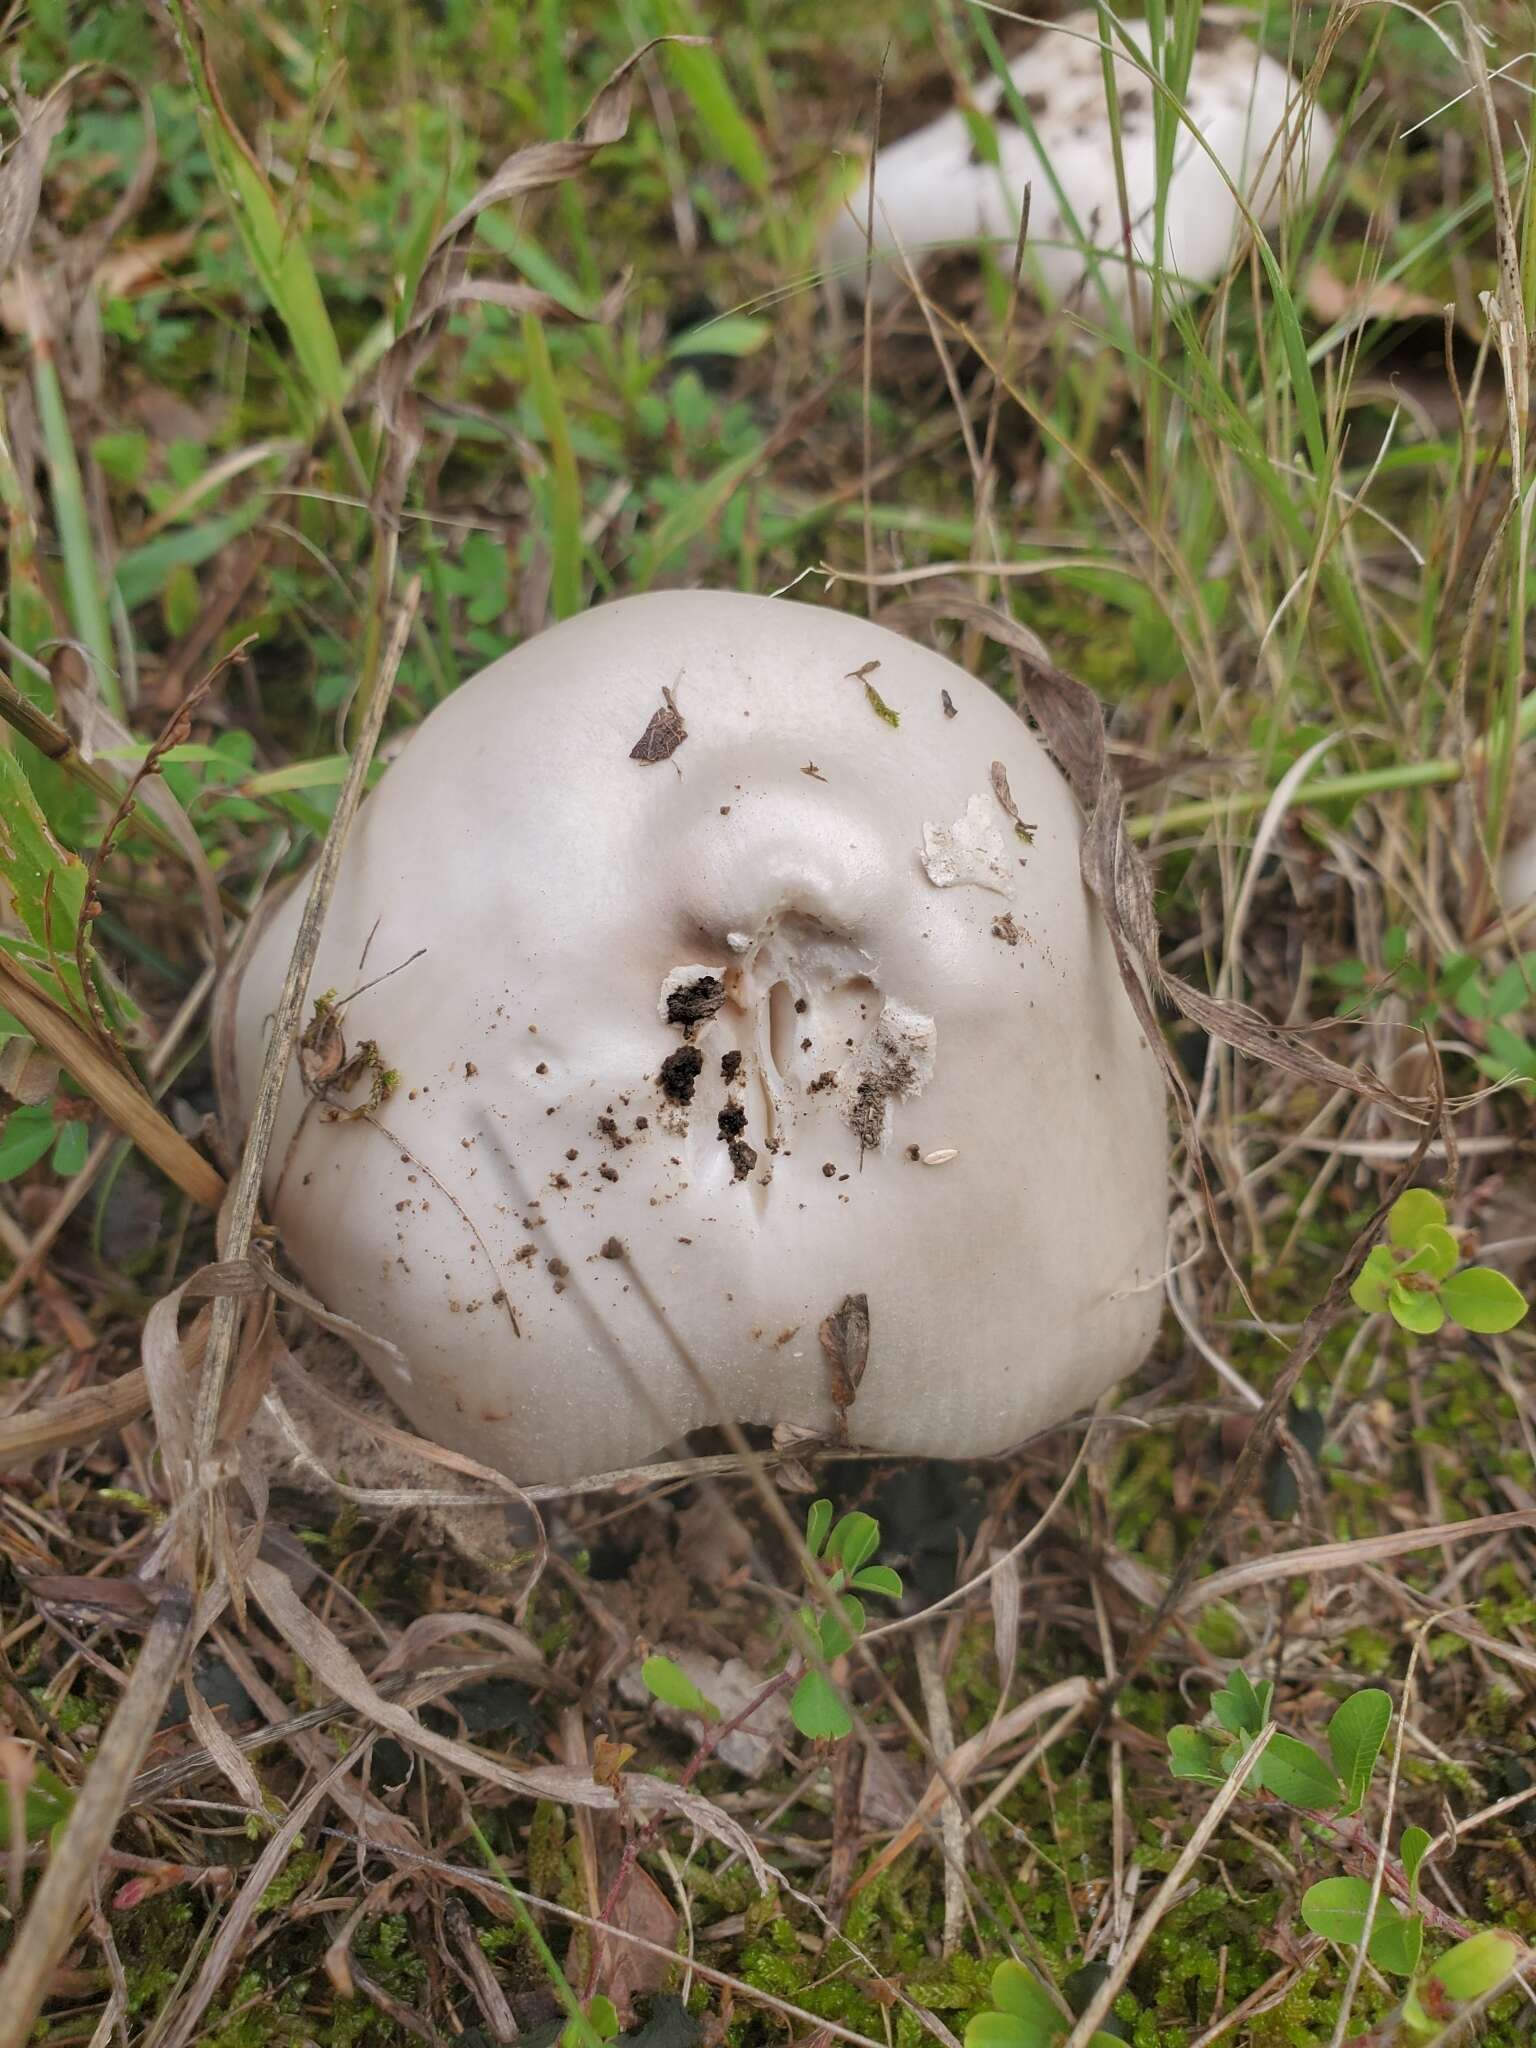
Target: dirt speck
730,1067
612,1248
949,704
696,1001
1006,930
679,1072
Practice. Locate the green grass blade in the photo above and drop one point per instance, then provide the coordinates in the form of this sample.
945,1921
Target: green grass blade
565,496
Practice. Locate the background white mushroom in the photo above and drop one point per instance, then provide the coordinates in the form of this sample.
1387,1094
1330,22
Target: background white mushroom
1244,124
736,1027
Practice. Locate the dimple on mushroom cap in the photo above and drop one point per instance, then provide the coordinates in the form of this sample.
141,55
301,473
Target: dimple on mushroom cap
676,1037
1243,122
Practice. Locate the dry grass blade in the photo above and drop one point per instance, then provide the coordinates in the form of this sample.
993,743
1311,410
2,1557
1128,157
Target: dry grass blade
226,1944
1334,1557
1069,1695
73,1419
335,1666
286,1025
119,1097
46,1932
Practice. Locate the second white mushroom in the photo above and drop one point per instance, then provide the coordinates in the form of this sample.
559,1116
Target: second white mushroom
1245,125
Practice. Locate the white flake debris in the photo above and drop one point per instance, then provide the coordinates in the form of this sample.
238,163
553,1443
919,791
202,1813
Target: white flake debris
970,850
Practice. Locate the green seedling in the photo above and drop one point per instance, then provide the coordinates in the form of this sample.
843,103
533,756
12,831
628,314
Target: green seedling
1339,1908
1418,1278
1024,2014
816,1706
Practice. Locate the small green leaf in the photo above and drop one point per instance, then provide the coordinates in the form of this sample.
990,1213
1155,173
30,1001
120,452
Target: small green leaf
1483,1301
1437,1255
1242,1708
70,1152
604,2017
817,1709
1192,1754
1355,1736
1397,1941
1475,1966
1019,1993
1412,1214
839,1627
731,334
674,1688
1007,2030
879,706
878,1578
1415,1311
1373,1280
1296,1773
1336,1910
818,1521
854,1541
25,1136
47,1803
1411,1849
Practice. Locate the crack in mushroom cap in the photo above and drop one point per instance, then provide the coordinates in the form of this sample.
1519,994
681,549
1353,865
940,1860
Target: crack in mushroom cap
586,917
1244,120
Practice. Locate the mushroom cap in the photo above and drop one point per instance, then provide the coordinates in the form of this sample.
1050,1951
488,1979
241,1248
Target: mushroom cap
1517,873
931,191
702,1059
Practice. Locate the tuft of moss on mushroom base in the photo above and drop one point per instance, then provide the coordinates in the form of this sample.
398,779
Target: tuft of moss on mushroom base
694,1046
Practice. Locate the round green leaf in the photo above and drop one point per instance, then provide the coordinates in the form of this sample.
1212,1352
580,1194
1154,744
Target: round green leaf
1418,1312
854,1541
817,1710
1297,1774
1483,1301
69,1153
1020,1993
1475,1966
1355,1735
674,1688
879,1578
24,1137
1006,2030
1335,1909
1437,1255
1412,1214
1373,1280
818,1521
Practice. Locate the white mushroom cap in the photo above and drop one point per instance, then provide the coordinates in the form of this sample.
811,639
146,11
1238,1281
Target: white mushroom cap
931,192
880,972
1517,874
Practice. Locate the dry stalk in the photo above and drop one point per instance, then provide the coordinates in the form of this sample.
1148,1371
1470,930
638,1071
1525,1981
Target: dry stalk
240,1217
119,1097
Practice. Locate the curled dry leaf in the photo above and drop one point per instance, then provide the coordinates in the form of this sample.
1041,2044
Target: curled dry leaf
663,735
444,281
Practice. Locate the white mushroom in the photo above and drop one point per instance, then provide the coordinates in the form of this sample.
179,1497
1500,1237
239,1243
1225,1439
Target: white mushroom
675,1036
1517,874
1243,121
